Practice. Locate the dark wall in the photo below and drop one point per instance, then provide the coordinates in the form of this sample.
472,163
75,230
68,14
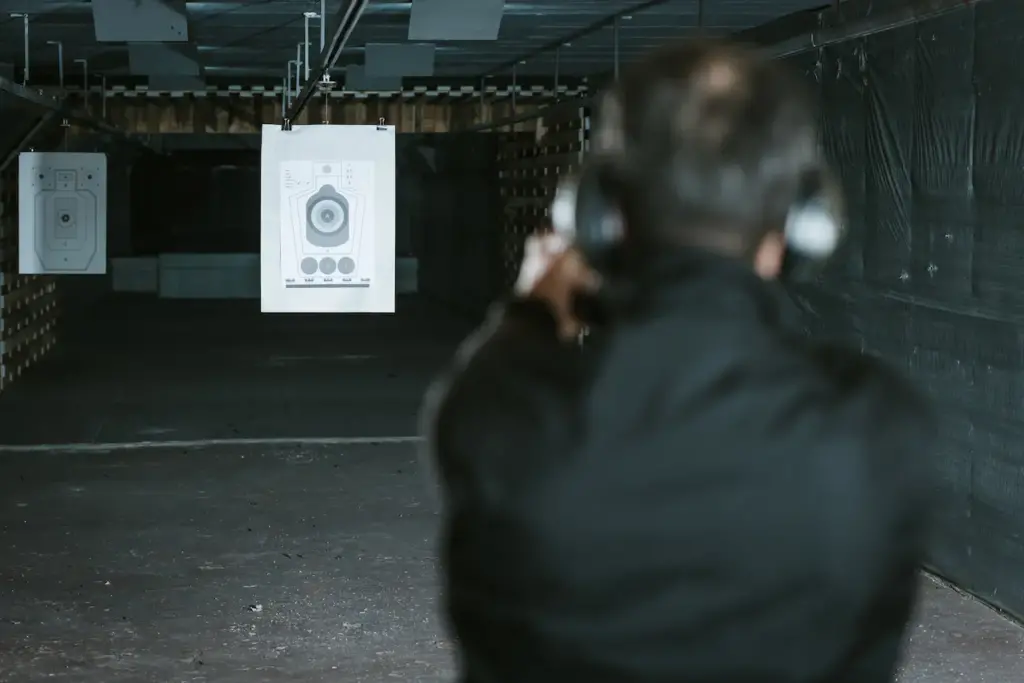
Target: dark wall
924,125
202,195
199,201
458,206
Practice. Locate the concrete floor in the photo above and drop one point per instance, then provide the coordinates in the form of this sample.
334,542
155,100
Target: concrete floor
138,369
263,562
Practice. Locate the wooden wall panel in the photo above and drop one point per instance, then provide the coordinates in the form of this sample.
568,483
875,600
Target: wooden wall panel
530,166
247,113
28,303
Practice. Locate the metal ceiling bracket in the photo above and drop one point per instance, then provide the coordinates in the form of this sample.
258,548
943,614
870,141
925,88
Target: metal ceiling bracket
24,18
85,73
348,16
290,87
558,67
60,60
483,87
515,87
306,17
615,46
323,24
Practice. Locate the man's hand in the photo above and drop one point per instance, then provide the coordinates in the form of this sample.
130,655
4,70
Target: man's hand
554,272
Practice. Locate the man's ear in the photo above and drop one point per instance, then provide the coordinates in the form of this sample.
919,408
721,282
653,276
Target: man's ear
769,255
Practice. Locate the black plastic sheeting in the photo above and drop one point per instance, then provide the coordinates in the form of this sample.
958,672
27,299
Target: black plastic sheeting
924,124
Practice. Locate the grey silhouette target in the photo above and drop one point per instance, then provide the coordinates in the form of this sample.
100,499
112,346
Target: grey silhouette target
326,223
327,218
62,222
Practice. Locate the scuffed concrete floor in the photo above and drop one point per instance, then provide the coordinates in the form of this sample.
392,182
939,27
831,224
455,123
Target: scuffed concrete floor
239,564
257,565
957,638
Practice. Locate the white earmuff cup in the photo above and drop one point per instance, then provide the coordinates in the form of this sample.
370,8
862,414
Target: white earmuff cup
812,231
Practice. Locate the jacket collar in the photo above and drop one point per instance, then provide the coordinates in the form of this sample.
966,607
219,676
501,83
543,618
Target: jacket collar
669,278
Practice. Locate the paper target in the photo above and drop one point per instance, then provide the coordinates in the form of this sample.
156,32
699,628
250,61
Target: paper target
328,219
62,213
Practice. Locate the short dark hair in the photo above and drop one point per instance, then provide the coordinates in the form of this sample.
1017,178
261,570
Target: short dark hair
706,143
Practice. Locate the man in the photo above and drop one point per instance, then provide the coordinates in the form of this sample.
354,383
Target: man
700,494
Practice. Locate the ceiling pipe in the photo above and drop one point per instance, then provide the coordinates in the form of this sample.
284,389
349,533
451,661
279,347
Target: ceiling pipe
347,17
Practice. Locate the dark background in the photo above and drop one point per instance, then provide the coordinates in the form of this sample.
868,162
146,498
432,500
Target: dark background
925,126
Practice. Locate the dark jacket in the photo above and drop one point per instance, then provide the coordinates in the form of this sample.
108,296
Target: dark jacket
699,496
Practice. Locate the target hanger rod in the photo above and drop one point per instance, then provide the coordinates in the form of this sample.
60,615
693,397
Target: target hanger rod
345,20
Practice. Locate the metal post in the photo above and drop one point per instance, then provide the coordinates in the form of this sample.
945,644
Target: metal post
291,73
323,25
515,87
306,17
60,60
103,84
85,82
298,67
615,31
284,92
85,73
558,68
483,86
24,18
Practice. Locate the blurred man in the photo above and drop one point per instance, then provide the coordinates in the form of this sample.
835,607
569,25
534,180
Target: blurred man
699,495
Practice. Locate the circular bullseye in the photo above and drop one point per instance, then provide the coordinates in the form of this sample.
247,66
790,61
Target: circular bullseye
328,216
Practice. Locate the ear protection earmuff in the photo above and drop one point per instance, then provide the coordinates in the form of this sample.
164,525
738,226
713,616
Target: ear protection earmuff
583,211
815,226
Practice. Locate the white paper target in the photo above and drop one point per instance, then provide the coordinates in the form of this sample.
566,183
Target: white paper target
62,213
328,219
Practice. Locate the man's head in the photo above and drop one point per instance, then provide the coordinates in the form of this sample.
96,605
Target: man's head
707,144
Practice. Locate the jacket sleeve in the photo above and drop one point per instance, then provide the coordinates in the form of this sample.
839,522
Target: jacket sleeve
878,495
491,396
